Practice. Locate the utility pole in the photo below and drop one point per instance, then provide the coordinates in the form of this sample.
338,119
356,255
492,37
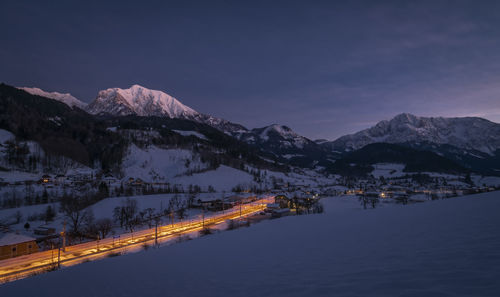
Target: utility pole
223,197
52,251
156,233
241,202
63,234
59,254
203,217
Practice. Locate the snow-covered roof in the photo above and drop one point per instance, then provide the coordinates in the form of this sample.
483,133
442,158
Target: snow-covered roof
13,238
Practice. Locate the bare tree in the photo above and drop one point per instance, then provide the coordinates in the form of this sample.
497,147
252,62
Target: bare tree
18,216
129,210
103,227
73,209
150,215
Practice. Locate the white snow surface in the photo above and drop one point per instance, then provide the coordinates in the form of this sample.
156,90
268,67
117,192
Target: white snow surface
157,164
441,248
388,170
190,133
65,98
489,181
223,178
105,207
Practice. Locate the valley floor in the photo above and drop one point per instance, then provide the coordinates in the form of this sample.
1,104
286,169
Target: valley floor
438,248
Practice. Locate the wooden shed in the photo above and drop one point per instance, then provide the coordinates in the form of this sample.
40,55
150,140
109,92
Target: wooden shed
13,245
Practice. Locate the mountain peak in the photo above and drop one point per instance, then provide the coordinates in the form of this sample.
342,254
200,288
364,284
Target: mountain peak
283,131
65,98
140,101
408,117
465,133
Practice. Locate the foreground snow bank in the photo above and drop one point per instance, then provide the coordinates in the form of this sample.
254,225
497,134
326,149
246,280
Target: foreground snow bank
439,248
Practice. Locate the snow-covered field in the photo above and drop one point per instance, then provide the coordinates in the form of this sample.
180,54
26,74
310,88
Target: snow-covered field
439,248
388,170
224,178
156,164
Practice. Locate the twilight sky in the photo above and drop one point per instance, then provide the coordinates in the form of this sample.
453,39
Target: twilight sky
323,68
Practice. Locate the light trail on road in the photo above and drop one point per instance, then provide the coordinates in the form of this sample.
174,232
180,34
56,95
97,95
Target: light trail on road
40,262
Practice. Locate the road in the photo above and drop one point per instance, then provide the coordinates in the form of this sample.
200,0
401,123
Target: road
40,262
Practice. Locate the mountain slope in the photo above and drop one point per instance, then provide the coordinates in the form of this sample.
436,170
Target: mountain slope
100,142
359,162
141,101
468,133
66,98
60,130
287,145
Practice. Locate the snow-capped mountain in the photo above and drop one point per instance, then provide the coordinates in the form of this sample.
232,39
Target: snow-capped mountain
65,98
286,145
467,133
278,135
141,101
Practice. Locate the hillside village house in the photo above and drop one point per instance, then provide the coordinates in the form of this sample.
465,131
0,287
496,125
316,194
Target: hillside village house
46,179
13,245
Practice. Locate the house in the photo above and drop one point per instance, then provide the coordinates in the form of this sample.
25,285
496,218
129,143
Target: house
80,177
13,245
109,179
212,205
44,230
135,182
278,213
46,179
242,198
273,206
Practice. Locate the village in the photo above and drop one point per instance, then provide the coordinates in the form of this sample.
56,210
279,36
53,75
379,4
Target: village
110,206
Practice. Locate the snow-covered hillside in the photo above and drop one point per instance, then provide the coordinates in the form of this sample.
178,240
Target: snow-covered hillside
287,145
138,100
65,98
466,133
387,251
281,135
34,162
180,167
155,164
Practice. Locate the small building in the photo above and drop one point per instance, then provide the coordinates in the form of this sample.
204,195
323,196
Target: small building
109,179
273,206
46,179
13,245
278,213
44,230
135,182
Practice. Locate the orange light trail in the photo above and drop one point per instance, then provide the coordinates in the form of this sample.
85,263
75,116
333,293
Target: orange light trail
40,262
